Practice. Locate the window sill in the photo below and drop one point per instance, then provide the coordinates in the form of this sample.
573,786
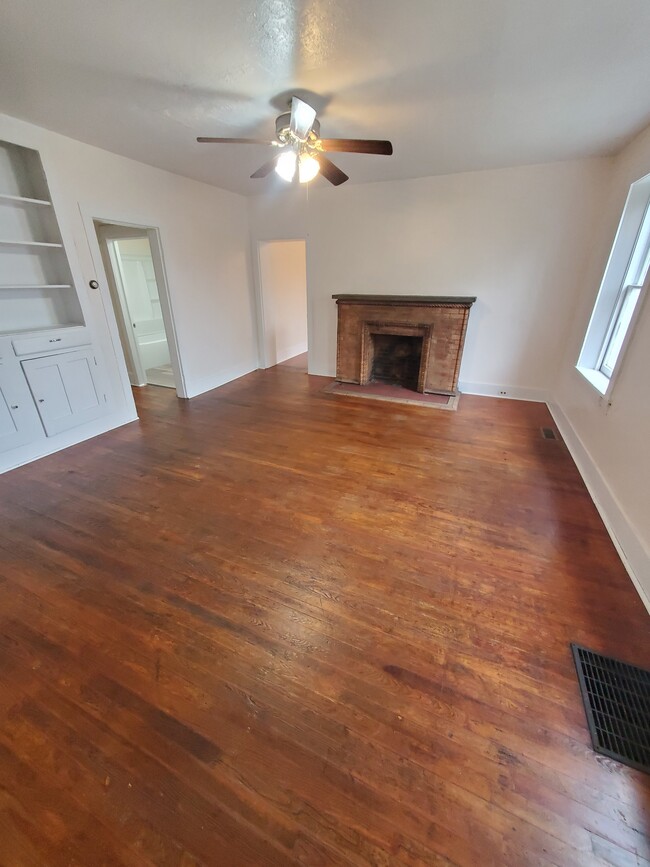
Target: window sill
599,381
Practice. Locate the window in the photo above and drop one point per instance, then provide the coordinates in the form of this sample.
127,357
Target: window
620,325
619,298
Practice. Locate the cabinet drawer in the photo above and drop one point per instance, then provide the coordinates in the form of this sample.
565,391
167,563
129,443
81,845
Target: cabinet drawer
51,341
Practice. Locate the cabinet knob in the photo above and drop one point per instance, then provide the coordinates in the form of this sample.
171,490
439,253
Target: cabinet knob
14,406
41,400
93,284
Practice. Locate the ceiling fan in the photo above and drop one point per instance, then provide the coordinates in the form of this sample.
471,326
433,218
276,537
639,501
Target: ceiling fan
301,148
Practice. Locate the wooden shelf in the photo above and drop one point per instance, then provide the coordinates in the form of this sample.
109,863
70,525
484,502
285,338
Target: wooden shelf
57,326
23,200
30,244
38,286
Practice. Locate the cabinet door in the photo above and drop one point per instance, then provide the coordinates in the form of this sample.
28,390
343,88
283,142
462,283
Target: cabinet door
19,422
65,389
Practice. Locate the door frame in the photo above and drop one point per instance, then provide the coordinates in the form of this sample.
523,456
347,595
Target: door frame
153,234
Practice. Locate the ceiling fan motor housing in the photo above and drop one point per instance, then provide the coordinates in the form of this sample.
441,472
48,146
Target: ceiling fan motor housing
282,125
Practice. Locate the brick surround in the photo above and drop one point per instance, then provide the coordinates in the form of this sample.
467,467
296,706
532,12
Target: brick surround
441,321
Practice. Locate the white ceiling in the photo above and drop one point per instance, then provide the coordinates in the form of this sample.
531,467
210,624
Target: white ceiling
455,84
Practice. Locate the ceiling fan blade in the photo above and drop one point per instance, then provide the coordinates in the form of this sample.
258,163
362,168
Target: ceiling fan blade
266,169
357,146
302,118
329,171
209,140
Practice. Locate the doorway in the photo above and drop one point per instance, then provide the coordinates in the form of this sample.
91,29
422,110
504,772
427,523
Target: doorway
133,264
283,297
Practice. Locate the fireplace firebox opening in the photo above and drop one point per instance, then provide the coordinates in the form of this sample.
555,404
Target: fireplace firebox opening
396,359
396,353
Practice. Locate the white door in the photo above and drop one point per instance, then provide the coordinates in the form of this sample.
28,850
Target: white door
19,422
65,389
125,322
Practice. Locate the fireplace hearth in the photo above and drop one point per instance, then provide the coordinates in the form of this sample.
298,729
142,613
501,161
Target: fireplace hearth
409,340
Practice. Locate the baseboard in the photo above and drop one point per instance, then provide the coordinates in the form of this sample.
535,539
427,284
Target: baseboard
509,392
634,555
49,446
291,352
207,383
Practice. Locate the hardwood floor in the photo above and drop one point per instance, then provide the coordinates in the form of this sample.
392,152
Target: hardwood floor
274,626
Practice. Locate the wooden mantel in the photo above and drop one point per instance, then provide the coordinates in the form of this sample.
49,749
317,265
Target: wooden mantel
439,320
419,300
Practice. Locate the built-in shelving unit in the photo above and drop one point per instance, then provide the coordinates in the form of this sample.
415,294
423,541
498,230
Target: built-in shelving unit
36,285
50,379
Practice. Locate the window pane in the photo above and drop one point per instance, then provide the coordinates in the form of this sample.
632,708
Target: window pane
643,271
619,331
638,267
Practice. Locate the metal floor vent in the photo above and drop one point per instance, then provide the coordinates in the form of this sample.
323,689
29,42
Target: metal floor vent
617,703
548,433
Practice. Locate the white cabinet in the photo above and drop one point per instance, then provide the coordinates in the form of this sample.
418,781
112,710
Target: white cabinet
49,379
19,422
66,389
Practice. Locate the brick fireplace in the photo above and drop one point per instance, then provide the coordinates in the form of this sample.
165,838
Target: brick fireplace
415,341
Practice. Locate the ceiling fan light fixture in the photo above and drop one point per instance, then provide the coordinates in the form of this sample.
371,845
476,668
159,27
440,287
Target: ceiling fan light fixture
285,165
303,150
308,168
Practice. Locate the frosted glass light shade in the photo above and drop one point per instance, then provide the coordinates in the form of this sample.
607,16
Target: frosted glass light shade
286,165
308,168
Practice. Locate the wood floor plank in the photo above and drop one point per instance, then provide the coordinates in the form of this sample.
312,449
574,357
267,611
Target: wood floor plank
311,630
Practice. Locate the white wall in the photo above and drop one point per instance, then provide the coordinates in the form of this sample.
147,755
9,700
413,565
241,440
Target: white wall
283,282
205,242
612,443
516,238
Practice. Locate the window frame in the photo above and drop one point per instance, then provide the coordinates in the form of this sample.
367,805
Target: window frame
633,228
606,369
